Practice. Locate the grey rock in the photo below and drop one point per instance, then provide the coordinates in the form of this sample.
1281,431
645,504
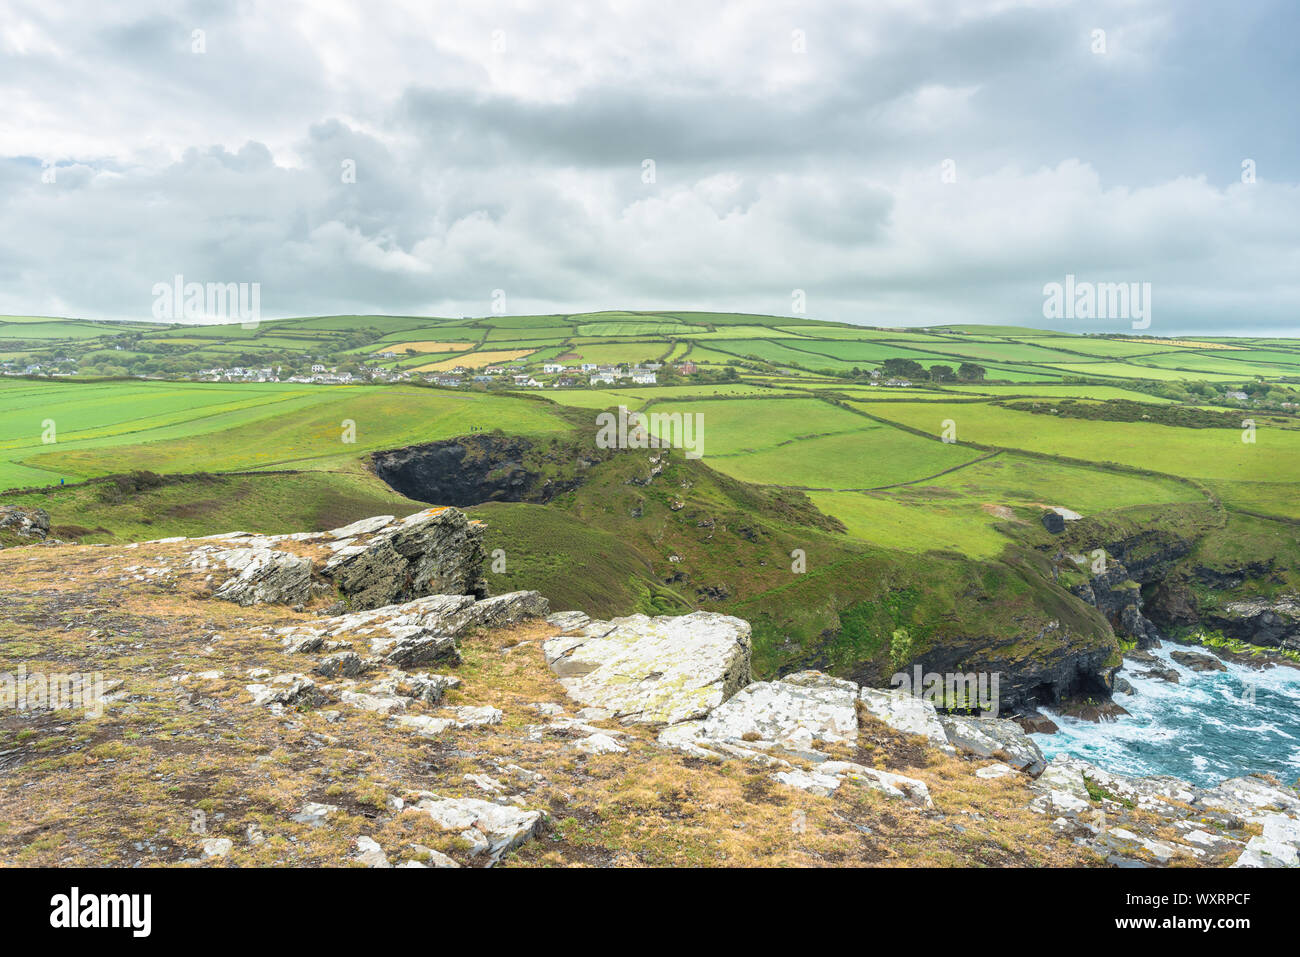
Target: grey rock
424,650
1197,661
434,552
264,576
345,664
314,814
24,521
994,737
370,853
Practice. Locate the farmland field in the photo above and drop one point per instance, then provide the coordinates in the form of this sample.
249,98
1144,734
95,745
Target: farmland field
182,427
766,420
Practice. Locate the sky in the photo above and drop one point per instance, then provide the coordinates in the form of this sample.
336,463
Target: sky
892,162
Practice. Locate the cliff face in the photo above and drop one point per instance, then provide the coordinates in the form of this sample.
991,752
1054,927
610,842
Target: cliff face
1272,623
1229,577
472,470
1117,595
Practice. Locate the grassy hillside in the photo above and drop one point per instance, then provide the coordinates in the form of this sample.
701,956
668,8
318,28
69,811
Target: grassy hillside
853,521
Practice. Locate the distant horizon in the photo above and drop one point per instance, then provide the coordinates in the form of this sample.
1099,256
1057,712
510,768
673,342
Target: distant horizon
1130,333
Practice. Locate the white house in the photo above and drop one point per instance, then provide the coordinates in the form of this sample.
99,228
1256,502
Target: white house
643,378
551,368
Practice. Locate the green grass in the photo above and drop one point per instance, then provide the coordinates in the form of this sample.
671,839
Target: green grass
962,510
271,504
1196,453
103,428
732,426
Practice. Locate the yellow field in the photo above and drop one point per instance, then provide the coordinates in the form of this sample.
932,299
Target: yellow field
476,361
1185,343
426,347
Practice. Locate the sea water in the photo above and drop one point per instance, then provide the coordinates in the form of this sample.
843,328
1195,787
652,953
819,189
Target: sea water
1209,726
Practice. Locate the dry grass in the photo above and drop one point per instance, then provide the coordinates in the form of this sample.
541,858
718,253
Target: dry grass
475,360
129,787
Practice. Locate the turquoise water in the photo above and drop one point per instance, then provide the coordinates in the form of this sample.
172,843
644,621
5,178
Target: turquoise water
1210,726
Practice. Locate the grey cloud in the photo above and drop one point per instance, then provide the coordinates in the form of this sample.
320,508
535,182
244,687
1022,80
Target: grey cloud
774,171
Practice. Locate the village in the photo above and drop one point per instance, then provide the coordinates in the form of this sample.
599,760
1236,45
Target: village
515,375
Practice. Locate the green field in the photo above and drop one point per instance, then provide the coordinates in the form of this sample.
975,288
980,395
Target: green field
1194,453
101,428
772,420
805,452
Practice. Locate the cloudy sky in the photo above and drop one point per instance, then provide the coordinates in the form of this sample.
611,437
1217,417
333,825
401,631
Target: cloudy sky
902,162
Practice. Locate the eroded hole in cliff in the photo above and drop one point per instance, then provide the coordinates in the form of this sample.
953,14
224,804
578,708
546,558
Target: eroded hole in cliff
474,469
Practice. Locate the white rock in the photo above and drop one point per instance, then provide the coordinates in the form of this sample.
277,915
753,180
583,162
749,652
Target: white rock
790,714
904,712
217,846
813,781
993,771
599,744
654,670
490,828
370,853
1261,852
485,783
994,737
426,725
828,776
314,814
383,704
435,858
468,716
894,785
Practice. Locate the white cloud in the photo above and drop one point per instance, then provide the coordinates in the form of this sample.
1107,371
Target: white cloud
520,168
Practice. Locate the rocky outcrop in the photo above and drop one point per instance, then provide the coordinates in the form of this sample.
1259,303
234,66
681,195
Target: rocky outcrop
785,724
790,717
1272,623
1053,664
903,712
419,632
263,576
654,670
25,523
435,552
994,737
1118,596
487,828
1196,661
1138,821
372,563
1151,555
